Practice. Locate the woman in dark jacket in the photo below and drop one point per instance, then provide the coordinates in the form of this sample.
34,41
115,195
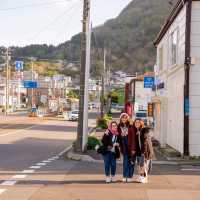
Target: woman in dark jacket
127,146
110,141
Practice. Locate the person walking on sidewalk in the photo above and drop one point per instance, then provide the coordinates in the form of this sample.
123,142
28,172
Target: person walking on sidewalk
144,150
110,142
127,146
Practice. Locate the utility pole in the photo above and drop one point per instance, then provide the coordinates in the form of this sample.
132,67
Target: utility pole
84,76
103,79
7,80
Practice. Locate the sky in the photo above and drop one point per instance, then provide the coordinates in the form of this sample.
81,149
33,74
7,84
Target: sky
25,22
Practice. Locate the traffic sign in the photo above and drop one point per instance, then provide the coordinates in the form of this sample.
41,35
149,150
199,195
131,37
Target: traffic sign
19,65
149,82
30,84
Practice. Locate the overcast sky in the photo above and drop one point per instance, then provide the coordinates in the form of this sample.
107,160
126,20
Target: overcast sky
49,21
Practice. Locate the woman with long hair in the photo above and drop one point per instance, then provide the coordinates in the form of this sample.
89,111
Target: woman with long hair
144,150
127,146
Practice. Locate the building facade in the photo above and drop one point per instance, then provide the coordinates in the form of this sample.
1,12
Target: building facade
177,91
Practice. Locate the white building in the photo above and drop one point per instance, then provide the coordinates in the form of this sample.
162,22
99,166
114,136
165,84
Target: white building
177,113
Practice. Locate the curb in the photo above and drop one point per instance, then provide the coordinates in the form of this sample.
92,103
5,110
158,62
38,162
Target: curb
177,161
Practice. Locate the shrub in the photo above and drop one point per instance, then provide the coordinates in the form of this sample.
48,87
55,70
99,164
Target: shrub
103,122
92,142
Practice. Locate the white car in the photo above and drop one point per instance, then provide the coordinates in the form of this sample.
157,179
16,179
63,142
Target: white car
73,115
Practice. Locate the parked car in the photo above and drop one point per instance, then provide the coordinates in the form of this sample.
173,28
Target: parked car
73,115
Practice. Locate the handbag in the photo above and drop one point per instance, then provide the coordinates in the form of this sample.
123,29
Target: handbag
102,150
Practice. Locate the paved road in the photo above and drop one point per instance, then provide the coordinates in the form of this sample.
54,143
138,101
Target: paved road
25,141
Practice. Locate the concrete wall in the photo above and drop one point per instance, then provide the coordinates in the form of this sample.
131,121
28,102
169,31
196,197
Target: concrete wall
173,94
195,81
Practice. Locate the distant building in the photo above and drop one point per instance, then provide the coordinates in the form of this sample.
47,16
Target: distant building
177,116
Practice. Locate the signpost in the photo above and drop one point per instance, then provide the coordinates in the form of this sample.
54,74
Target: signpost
19,65
149,82
30,84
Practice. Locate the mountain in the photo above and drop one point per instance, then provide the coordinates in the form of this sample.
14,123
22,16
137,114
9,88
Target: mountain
128,38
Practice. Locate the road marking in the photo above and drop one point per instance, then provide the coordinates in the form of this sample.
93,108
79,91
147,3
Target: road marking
2,190
197,170
28,171
65,150
8,183
41,164
14,132
55,157
35,167
19,176
51,159
46,161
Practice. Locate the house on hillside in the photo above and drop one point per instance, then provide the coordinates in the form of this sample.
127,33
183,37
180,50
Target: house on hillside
177,90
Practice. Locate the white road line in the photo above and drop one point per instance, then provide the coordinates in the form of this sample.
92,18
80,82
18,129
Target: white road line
55,157
8,183
41,164
19,176
197,170
35,167
51,159
46,161
14,132
28,171
65,150
2,190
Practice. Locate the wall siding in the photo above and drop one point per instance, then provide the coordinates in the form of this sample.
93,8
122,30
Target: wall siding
173,76
195,81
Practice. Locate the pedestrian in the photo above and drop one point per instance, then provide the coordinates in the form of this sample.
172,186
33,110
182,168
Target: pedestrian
111,152
144,150
127,146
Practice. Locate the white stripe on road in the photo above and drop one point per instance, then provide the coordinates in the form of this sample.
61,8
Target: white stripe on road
8,183
197,170
46,161
51,159
28,171
55,157
65,150
14,132
35,167
2,190
19,176
41,164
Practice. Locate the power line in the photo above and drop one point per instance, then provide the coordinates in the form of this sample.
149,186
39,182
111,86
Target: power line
33,5
55,20
67,22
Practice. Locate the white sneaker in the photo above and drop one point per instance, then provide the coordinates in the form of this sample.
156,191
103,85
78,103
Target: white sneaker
113,179
124,180
108,179
143,179
129,180
139,179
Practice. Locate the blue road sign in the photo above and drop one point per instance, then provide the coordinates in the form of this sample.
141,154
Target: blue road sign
149,82
19,65
30,84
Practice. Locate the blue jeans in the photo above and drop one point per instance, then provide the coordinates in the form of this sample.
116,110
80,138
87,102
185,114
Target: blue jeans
140,160
110,164
128,167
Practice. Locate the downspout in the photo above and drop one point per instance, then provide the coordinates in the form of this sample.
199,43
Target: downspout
187,76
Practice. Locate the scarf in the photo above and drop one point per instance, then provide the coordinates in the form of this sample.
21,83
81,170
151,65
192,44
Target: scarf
114,132
139,138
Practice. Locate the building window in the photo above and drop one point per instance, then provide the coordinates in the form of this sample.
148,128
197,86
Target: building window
174,47
160,58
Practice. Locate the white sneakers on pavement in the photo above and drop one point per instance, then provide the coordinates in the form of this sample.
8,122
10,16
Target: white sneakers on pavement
108,179
124,180
129,180
113,179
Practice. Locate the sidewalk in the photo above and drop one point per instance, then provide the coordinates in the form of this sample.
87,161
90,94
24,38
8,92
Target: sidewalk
71,180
